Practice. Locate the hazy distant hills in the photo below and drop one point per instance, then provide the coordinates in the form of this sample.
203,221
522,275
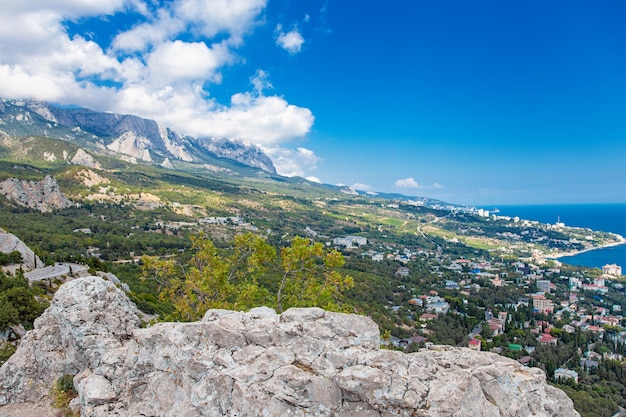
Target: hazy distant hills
129,137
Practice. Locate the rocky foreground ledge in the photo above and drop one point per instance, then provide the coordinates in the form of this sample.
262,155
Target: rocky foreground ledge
303,362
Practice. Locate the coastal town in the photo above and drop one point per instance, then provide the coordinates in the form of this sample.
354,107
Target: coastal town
459,276
567,320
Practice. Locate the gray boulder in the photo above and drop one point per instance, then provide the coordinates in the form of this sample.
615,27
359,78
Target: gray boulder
10,243
86,318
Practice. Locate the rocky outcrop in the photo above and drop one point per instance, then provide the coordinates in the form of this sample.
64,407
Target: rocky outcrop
303,362
43,195
87,317
244,154
167,164
83,158
133,145
11,243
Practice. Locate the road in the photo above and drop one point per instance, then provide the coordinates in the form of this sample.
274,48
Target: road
57,270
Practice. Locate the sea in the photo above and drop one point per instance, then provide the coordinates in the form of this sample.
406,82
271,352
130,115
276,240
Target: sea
600,217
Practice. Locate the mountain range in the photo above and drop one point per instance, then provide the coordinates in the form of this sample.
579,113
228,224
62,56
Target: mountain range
124,136
26,124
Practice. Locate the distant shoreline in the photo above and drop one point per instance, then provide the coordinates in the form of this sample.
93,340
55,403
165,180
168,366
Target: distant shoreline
559,255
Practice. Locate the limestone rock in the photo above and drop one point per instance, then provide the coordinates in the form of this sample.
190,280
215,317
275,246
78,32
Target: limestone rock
43,195
87,317
83,158
167,164
303,362
10,243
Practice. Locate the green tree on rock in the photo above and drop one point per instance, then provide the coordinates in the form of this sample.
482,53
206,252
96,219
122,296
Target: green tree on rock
249,275
310,276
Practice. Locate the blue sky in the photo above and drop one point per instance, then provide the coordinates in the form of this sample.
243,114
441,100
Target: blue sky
481,103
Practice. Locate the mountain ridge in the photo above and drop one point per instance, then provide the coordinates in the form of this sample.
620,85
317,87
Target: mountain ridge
123,134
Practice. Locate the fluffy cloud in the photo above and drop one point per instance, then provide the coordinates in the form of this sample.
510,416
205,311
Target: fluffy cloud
406,183
179,61
411,183
69,8
291,41
291,163
162,68
233,18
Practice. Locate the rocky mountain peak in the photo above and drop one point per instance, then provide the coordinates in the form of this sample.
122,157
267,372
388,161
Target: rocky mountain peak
303,362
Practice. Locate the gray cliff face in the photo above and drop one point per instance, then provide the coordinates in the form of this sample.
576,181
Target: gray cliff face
43,195
304,362
245,154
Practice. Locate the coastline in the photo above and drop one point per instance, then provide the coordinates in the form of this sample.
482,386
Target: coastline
559,255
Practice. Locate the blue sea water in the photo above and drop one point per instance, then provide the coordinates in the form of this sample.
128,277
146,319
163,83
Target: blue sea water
604,217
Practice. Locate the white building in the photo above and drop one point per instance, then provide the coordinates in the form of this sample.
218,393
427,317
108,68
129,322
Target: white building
350,241
562,373
612,269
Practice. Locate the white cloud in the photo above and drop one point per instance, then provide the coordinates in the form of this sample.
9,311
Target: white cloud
140,38
178,61
314,179
163,68
235,17
259,120
260,81
407,183
411,183
292,163
68,8
291,41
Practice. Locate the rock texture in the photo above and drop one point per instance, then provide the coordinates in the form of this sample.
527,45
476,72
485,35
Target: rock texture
83,158
43,195
87,317
10,243
304,362
245,154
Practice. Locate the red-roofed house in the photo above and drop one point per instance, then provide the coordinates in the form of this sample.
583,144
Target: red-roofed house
474,344
547,339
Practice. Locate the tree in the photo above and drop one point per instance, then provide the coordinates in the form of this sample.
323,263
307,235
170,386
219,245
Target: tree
309,276
213,280
248,275
9,316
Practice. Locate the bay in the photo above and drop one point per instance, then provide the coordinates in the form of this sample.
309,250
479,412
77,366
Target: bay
600,217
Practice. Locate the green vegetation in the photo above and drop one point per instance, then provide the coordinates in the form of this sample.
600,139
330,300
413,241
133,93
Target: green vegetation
6,350
249,275
19,303
10,258
62,393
